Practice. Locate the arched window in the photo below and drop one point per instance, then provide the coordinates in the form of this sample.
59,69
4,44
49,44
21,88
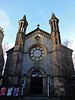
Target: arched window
54,25
36,74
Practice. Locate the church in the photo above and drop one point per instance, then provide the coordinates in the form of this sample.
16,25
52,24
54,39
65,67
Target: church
39,63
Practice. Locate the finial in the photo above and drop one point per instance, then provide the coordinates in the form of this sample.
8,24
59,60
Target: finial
53,16
38,26
24,18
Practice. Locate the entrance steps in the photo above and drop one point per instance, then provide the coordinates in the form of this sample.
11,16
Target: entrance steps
38,98
28,98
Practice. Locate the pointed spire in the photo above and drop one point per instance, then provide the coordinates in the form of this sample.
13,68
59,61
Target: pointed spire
53,16
22,24
24,18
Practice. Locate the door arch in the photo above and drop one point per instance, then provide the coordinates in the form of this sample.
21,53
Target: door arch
30,73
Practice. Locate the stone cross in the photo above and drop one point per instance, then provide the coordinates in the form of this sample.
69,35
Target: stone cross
38,26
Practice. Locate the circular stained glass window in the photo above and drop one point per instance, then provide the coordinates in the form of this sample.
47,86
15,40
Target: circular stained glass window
37,52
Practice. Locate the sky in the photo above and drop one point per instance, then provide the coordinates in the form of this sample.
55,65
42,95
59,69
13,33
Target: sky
37,12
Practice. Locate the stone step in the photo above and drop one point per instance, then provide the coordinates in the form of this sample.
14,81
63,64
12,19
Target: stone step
38,98
27,98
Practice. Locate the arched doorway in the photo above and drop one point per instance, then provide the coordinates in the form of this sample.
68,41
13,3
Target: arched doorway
36,83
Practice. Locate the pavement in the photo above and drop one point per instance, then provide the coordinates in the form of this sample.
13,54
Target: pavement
39,98
34,98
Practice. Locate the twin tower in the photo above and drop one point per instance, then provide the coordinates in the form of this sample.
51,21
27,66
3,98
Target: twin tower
35,62
55,34
15,64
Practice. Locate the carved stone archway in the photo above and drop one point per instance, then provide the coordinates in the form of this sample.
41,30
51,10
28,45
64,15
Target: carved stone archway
42,79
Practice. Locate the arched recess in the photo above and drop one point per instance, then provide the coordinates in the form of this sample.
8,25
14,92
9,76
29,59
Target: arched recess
36,69
36,80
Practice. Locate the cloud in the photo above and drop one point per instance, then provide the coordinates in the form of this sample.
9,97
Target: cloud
4,20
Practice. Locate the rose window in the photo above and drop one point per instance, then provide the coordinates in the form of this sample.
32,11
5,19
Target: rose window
37,52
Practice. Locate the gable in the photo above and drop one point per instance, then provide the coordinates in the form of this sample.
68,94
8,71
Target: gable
44,39
38,32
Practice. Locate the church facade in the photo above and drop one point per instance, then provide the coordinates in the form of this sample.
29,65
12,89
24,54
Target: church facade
38,63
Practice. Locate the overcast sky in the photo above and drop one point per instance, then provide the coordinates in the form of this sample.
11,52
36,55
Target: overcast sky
37,12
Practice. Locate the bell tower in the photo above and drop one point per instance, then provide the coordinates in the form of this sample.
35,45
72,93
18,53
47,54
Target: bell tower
21,33
55,34
15,64
23,24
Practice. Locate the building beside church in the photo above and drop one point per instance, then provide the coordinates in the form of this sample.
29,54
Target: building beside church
1,52
38,62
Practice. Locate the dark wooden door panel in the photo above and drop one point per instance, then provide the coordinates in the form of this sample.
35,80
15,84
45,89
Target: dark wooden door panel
36,85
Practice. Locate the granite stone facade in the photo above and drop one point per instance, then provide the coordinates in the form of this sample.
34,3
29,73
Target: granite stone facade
37,61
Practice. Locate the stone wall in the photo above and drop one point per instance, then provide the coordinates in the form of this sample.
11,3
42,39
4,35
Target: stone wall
46,64
1,51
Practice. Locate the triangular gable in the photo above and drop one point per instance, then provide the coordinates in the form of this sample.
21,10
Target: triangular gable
38,31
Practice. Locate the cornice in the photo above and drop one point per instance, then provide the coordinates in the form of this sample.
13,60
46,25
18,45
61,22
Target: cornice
36,32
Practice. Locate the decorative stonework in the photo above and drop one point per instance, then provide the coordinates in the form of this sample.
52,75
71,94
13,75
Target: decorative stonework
48,36
37,38
37,52
37,55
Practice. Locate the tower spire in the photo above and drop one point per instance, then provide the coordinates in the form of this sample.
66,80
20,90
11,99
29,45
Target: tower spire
24,18
53,16
21,33
23,24
55,30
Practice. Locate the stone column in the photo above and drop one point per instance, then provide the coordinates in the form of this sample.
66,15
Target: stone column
53,25
48,90
24,81
19,27
23,85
